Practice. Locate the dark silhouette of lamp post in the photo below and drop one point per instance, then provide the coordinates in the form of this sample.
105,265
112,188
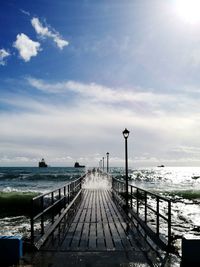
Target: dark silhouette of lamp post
126,134
107,154
103,163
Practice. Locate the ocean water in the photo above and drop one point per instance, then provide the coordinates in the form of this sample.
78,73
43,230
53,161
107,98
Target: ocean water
18,185
181,185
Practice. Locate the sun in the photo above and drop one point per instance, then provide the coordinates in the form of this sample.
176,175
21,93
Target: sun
188,10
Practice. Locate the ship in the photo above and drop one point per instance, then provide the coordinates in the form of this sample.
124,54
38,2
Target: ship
77,165
42,164
161,166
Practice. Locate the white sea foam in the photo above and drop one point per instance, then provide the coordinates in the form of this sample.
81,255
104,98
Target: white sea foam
15,225
96,181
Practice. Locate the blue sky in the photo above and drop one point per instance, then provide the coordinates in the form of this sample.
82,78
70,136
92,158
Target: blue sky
74,74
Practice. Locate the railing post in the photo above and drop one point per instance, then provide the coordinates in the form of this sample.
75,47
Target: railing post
52,213
137,198
32,222
131,197
145,207
157,217
169,225
68,189
42,216
59,193
65,195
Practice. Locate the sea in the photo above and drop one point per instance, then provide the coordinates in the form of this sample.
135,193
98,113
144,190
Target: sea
19,184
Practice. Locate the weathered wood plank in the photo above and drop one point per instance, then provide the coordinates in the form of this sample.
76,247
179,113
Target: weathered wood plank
92,236
101,245
66,245
84,237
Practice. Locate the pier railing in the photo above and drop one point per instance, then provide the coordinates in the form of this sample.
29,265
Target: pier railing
150,212
49,209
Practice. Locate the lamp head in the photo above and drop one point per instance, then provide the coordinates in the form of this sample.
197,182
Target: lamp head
125,133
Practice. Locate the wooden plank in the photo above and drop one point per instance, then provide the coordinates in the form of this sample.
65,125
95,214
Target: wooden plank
101,245
112,225
103,213
66,245
107,232
92,237
122,227
89,208
84,237
108,237
98,210
80,208
76,237
93,207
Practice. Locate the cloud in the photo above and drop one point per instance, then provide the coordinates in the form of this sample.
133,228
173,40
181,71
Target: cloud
57,130
3,55
65,130
46,32
100,93
27,48
25,12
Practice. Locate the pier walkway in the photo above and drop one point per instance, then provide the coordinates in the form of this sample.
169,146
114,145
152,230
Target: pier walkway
94,231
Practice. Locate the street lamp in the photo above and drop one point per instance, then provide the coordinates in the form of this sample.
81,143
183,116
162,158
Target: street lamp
103,163
107,154
126,134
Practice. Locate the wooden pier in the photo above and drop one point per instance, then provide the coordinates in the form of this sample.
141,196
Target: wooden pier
89,227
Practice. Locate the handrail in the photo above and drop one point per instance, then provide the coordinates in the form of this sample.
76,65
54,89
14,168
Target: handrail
147,209
48,208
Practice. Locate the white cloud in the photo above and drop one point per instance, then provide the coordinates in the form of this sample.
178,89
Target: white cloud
101,93
25,12
63,131
51,130
3,55
46,32
27,48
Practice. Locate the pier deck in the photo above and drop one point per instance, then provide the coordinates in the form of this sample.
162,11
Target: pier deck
97,226
84,224
97,234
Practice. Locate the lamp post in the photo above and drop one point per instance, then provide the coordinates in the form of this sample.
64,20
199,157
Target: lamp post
107,154
126,134
103,163
100,164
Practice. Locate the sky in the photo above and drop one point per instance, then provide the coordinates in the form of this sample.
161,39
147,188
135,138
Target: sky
75,74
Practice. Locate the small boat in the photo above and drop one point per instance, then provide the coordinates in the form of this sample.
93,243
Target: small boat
42,164
161,166
77,165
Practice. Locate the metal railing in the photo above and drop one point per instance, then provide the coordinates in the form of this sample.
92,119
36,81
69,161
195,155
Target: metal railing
149,211
48,210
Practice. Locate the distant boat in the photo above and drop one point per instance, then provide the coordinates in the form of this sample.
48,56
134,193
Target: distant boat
160,166
42,164
77,165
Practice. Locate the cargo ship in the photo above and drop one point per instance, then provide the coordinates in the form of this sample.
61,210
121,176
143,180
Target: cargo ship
42,164
77,165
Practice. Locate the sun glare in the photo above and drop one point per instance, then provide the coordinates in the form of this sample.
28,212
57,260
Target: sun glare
188,10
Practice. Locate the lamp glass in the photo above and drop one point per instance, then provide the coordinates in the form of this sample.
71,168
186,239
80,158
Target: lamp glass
126,133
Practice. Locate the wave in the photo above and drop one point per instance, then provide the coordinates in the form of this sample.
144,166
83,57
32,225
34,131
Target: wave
36,177
185,194
15,203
